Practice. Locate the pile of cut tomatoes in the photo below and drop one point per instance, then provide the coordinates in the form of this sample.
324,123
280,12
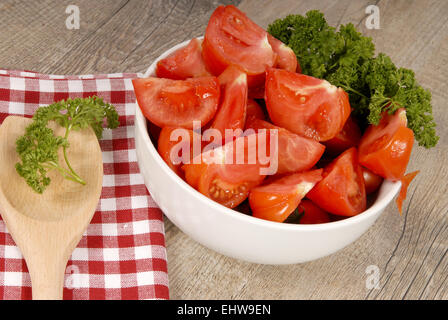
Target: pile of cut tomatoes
239,79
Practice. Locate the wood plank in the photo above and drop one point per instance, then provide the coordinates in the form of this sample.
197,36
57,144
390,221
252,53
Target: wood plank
114,36
34,35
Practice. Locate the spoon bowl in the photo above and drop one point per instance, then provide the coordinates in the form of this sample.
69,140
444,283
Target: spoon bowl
47,227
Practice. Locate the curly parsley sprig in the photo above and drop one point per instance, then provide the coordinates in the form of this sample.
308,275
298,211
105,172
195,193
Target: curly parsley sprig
346,59
38,147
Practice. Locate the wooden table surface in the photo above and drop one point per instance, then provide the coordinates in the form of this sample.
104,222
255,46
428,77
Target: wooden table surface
409,251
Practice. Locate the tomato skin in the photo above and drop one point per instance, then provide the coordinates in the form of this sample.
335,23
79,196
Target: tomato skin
342,190
385,149
371,180
232,110
305,105
348,137
312,214
184,63
232,38
254,110
226,183
165,146
177,103
277,200
295,153
286,58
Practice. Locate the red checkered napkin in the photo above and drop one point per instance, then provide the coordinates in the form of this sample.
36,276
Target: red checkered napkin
122,254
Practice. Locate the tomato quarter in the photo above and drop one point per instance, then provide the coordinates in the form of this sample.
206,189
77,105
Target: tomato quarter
232,110
342,190
177,103
232,38
386,148
305,105
277,200
184,63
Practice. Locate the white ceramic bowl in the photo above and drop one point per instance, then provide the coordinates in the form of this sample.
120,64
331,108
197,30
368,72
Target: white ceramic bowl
238,235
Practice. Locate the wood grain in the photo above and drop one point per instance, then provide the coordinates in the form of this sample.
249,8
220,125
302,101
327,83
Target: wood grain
410,250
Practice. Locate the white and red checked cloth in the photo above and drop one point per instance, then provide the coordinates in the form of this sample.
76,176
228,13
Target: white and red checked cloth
122,254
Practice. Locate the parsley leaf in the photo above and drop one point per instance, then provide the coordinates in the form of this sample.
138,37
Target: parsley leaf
38,147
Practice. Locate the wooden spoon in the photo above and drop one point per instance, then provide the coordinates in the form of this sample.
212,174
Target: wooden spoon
47,227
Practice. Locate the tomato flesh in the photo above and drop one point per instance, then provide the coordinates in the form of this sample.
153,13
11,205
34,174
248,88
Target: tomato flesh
184,63
177,103
277,200
295,153
232,110
305,105
385,149
342,190
232,38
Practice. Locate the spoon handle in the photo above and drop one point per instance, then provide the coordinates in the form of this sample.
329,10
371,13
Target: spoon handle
47,279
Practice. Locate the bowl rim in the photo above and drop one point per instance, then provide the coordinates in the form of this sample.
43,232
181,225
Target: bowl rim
377,207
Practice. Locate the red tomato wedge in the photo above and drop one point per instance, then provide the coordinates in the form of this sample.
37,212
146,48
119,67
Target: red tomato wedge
342,190
177,103
175,146
225,180
254,110
385,149
232,110
371,180
312,214
405,182
286,58
184,63
305,105
232,38
277,200
295,153
348,137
